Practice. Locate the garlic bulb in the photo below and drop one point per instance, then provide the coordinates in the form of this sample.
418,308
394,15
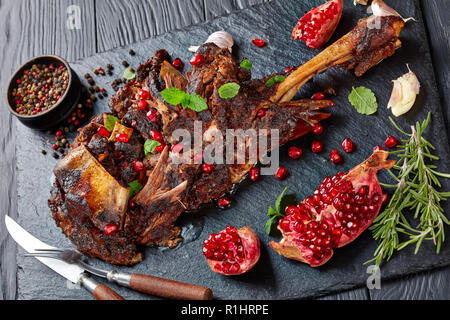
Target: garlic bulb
403,96
361,2
222,39
381,9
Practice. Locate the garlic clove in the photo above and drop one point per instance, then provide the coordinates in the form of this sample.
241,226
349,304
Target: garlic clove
406,88
381,9
222,39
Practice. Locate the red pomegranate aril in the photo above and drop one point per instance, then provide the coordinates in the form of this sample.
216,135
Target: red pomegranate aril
287,69
335,156
103,132
207,168
178,64
254,174
142,104
295,153
318,96
160,148
144,94
261,112
138,165
347,145
197,60
316,146
378,148
391,142
224,202
318,129
110,229
259,42
156,135
151,115
122,137
281,173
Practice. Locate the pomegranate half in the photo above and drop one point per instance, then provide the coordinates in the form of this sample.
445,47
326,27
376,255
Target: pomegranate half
340,209
232,251
318,25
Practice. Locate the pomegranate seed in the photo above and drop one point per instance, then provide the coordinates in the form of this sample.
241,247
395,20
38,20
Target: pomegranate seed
144,94
54,147
224,202
138,165
281,173
254,174
335,156
295,153
142,104
131,204
287,69
19,81
391,142
160,148
318,96
103,132
291,210
59,133
151,115
261,112
122,137
316,146
156,135
197,60
110,229
347,145
177,63
377,148
207,168
318,129
259,42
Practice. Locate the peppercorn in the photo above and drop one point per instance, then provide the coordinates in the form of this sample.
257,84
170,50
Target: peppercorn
131,52
109,66
125,64
44,152
55,155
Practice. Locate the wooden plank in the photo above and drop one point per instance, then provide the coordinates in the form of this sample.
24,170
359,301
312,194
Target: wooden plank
27,29
123,22
217,8
433,284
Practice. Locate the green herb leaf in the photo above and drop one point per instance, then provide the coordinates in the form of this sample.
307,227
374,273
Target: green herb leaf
271,211
173,96
135,187
364,100
270,225
150,145
197,103
274,80
278,202
129,74
110,122
229,90
246,64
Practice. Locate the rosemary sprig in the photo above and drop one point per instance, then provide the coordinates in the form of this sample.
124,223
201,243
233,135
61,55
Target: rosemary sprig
415,191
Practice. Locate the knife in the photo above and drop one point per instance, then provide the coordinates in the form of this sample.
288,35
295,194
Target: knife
71,272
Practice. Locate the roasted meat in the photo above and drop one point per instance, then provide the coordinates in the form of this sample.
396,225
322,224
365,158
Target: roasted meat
91,190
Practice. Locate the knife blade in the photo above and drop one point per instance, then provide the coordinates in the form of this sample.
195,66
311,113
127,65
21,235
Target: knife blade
72,272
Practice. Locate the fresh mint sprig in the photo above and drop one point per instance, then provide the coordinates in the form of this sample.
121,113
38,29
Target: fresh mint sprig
175,96
278,213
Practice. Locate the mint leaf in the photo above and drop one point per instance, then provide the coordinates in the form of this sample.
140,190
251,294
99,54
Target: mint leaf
278,202
150,145
364,100
246,64
272,212
197,103
270,224
173,96
110,122
229,90
274,80
129,74
135,187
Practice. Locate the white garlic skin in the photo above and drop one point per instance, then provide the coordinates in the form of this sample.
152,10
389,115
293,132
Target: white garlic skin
222,39
406,88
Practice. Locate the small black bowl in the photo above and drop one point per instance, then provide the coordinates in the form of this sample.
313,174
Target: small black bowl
61,110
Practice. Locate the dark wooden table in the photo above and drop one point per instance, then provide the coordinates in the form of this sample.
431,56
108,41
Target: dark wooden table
33,27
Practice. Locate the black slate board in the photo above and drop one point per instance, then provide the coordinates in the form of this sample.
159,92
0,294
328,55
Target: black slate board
274,277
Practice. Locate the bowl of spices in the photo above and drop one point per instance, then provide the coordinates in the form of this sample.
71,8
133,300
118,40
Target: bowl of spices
43,92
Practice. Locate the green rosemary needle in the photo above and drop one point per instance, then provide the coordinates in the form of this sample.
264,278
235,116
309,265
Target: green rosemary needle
415,192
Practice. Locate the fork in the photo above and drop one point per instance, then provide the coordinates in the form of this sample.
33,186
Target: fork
139,282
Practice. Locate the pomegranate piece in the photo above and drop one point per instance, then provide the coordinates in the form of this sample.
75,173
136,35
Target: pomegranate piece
281,173
144,94
142,104
340,209
335,156
254,174
102,131
207,168
295,153
224,202
232,251
110,229
318,129
318,25
391,142
197,60
347,145
318,96
138,165
316,146
377,148
259,42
